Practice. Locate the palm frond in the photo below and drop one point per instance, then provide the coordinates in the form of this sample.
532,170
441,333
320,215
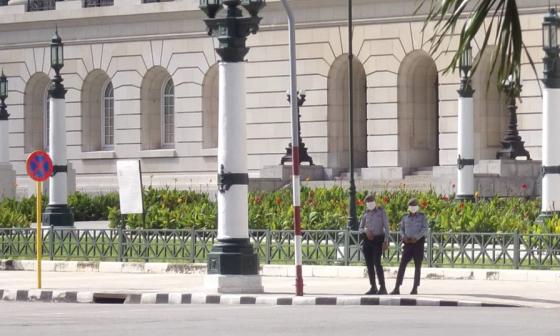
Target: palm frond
466,18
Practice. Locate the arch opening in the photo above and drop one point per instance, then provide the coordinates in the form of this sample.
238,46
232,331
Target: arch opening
338,115
418,112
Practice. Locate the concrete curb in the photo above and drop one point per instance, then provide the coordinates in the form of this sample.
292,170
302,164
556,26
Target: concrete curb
282,270
231,299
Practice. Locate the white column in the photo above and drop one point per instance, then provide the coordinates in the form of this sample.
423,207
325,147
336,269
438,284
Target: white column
4,142
551,150
233,221
58,192
465,178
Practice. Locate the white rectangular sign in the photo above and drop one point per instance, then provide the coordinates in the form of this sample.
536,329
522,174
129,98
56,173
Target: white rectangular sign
130,186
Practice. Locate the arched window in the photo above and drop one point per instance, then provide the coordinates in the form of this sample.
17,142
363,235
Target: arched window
108,118
98,112
168,115
338,115
157,108
35,114
210,105
418,112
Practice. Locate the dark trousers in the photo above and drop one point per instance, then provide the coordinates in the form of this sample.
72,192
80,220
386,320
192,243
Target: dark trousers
373,249
412,251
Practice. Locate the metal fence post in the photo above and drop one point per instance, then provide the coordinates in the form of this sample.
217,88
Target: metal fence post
193,244
268,247
347,247
516,250
120,241
430,248
51,242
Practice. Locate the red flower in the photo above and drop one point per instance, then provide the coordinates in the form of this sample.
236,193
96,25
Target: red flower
423,204
258,200
385,199
461,205
524,186
445,197
277,200
360,202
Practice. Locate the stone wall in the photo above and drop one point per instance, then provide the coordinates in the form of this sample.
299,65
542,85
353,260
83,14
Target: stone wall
128,40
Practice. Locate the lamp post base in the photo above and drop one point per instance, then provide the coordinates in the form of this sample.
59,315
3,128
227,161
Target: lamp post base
303,155
233,257
233,284
511,150
464,198
545,216
58,215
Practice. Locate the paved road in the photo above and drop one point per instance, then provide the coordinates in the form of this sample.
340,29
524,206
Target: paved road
69,319
529,293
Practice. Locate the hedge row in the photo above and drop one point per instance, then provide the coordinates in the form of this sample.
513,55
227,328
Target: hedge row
322,209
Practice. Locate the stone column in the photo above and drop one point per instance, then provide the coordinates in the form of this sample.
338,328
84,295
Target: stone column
551,119
465,143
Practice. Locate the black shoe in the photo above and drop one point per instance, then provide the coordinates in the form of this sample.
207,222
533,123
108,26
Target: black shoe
414,291
382,291
371,291
396,291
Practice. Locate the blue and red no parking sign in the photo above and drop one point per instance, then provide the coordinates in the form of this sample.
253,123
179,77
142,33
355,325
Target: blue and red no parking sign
39,166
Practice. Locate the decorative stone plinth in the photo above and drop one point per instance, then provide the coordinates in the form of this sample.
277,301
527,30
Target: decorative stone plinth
233,284
284,172
7,181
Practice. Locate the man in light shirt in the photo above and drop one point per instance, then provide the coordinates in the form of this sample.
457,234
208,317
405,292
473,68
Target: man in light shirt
374,228
413,229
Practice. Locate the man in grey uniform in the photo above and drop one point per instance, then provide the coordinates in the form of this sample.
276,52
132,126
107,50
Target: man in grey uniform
413,229
374,229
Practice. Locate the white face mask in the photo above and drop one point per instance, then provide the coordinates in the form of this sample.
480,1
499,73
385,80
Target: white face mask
413,209
370,205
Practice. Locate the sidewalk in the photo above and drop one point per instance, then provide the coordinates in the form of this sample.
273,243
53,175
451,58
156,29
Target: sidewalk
338,289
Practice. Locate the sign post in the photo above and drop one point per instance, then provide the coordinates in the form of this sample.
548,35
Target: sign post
39,167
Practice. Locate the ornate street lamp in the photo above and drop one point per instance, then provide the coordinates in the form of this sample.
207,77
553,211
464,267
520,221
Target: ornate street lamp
512,145
57,213
3,95
4,140
303,155
465,143
551,118
7,174
233,264
57,63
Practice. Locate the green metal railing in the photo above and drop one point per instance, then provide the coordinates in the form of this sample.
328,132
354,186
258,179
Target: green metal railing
496,250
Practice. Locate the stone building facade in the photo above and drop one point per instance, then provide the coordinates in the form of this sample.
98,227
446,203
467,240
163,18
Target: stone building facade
142,83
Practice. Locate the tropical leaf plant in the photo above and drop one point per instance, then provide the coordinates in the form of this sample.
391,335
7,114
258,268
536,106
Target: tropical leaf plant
500,24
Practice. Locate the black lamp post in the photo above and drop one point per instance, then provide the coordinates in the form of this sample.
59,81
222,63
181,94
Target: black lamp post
465,66
303,155
512,145
57,90
3,95
551,100
57,213
352,217
550,32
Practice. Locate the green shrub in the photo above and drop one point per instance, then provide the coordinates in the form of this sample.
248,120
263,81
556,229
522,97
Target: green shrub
321,209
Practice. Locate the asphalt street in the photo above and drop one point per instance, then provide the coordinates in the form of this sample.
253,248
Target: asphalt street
78,319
